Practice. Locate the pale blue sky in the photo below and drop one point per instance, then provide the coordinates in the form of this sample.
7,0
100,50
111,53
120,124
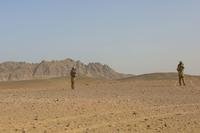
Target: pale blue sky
132,36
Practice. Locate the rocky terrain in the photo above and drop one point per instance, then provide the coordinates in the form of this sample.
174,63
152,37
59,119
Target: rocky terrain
10,71
144,104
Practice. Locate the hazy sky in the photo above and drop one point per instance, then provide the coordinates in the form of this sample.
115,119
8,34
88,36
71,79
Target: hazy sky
132,36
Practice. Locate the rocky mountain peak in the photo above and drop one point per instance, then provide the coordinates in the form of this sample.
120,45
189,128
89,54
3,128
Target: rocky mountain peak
56,68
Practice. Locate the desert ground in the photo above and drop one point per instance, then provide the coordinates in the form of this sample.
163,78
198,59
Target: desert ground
132,105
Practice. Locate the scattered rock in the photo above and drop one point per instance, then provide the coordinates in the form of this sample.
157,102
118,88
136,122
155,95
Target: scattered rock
165,125
134,113
79,126
129,129
87,130
36,118
128,125
68,125
23,131
56,100
148,126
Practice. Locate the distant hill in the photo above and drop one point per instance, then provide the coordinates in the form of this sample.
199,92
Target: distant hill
12,71
158,76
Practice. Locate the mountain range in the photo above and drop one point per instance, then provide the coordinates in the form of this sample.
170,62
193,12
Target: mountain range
14,71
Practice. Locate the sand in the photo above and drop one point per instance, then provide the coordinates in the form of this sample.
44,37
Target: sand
100,106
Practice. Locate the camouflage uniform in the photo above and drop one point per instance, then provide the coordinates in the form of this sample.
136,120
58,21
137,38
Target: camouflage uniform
180,70
73,76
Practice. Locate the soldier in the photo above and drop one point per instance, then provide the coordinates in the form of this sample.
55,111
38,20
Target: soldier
73,76
180,70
